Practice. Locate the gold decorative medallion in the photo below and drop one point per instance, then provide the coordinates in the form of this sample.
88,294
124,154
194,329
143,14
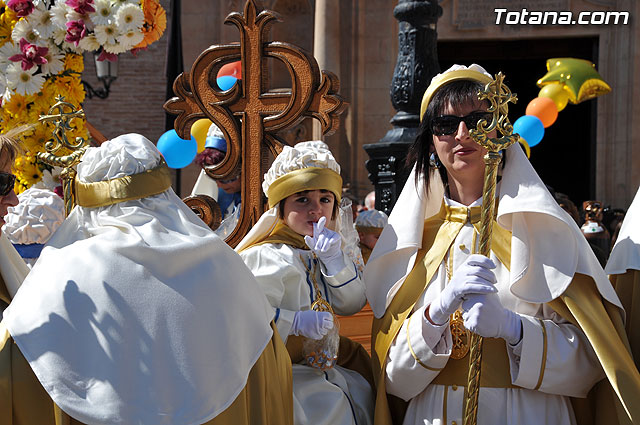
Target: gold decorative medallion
461,336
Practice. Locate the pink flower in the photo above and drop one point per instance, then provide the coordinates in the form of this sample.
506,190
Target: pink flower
81,6
104,55
135,50
21,7
31,55
76,30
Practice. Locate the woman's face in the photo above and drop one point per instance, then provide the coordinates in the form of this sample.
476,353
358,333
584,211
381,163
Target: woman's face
302,209
10,199
458,152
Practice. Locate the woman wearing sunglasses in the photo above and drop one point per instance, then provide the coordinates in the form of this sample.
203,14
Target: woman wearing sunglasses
428,289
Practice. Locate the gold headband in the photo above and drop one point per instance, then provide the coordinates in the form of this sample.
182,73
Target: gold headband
312,178
127,188
446,78
369,229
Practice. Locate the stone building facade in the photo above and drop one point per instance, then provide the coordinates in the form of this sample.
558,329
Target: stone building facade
592,151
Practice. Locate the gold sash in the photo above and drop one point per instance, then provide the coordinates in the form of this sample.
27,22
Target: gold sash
282,233
496,372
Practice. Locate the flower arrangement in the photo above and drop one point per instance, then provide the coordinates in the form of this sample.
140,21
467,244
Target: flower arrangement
41,47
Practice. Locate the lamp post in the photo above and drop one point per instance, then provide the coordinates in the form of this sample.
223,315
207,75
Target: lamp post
417,63
107,73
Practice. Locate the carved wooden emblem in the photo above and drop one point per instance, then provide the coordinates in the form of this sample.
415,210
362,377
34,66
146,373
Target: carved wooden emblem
248,114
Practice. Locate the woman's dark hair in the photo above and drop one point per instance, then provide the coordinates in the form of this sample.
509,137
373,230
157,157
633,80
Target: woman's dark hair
455,93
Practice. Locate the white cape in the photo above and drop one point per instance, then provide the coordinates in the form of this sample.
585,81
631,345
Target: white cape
626,251
136,313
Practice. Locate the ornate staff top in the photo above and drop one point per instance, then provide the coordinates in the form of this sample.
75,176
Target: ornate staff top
61,114
498,95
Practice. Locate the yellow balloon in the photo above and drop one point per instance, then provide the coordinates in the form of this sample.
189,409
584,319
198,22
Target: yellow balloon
579,76
557,93
199,131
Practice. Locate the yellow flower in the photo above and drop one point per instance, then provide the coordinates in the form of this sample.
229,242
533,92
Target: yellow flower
43,101
17,106
75,90
73,62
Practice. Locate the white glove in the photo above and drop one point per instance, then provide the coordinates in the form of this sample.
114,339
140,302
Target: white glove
474,276
326,244
485,316
312,324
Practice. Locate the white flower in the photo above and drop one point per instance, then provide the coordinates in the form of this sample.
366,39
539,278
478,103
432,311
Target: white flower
130,38
72,15
24,82
103,14
115,48
6,96
54,64
6,51
59,14
106,34
58,35
41,21
3,84
129,17
89,43
24,29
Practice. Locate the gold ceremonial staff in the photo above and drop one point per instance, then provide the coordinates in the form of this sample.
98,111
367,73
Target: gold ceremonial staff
498,96
61,119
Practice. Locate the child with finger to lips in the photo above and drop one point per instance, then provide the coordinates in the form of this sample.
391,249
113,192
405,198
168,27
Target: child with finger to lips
296,253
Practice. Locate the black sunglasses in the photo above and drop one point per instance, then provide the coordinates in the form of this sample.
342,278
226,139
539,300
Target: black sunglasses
445,125
7,180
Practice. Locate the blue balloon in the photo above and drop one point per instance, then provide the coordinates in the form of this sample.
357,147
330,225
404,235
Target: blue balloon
530,128
225,82
177,152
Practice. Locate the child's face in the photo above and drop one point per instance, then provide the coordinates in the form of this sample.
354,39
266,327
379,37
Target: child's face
368,239
302,209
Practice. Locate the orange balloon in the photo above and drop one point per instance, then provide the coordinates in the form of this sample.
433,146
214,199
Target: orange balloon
557,93
543,108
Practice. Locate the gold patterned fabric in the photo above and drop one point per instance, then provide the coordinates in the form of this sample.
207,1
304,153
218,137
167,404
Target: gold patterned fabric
581,304
127,188
266,398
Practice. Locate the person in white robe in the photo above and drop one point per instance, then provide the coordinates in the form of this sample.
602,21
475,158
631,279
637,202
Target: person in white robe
428,289
295,262
623,268
136,313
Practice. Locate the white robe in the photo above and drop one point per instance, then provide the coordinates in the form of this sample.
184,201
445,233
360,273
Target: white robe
334,397
571,367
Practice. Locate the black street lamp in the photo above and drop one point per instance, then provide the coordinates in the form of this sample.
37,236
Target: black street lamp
107,73
417,63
